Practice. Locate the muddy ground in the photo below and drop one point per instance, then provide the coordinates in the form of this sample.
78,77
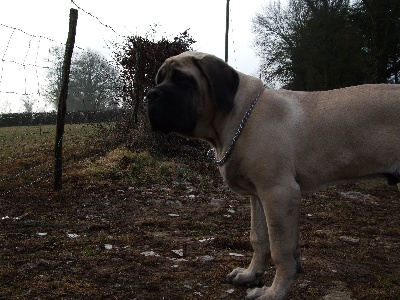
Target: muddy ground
179,239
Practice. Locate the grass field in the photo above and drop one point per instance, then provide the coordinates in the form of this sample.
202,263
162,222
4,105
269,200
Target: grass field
27,152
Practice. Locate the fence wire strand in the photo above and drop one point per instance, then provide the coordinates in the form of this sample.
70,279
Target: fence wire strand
40,171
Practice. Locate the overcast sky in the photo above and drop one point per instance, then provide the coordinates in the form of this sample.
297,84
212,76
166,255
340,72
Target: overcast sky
49,18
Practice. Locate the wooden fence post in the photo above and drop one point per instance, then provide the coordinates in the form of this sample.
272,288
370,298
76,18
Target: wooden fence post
62,99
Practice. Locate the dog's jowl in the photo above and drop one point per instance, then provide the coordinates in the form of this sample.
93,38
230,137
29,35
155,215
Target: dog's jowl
276,146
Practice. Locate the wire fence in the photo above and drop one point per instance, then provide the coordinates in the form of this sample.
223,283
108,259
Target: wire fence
27,118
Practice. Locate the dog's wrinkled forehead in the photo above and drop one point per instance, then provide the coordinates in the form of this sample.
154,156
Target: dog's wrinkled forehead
181,64
165,72
208,71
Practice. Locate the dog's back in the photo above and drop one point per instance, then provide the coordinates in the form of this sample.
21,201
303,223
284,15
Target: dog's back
344,134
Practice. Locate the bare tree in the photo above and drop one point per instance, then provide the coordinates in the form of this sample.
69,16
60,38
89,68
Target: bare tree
326,44
379,23
275,38
28,102
94,82
5,106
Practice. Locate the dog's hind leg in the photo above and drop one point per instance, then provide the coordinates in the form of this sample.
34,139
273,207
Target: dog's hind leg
252,276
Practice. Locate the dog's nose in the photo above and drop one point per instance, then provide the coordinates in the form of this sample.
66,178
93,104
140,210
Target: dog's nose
154,94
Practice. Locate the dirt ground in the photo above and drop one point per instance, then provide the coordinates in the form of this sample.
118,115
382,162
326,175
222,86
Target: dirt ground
179,239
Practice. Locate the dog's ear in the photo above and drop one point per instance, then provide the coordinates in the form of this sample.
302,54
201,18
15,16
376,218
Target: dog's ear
222,78
160,75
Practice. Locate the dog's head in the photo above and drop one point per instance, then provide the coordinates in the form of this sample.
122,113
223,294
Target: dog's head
190,88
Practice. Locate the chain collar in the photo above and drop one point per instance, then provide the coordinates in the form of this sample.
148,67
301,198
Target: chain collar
211,153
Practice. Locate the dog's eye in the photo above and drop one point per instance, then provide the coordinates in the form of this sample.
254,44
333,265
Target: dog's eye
180,77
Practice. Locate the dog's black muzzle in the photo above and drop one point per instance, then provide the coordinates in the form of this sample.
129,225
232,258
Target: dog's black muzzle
154,94
171,109
154,105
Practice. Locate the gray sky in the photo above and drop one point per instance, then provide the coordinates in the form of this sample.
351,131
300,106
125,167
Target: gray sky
49,18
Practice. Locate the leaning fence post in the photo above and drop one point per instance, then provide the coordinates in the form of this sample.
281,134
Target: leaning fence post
62,99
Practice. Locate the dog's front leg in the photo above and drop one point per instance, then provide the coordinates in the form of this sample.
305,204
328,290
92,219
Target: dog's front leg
260,242
282,209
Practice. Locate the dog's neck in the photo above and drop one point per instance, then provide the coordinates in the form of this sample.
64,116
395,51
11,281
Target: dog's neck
226,128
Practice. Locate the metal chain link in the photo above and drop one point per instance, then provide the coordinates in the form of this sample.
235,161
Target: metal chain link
211,153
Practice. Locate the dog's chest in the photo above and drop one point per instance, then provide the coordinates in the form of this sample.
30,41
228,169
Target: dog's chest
236,179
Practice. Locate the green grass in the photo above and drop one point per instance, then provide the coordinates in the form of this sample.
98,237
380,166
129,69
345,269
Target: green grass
22,141
89,159
27,152
133,168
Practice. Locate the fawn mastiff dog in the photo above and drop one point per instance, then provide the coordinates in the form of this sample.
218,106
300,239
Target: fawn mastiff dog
276,146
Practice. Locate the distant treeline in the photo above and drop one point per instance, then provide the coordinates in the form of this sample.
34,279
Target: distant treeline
49,118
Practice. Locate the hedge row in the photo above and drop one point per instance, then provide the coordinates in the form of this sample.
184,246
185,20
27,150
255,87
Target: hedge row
49,118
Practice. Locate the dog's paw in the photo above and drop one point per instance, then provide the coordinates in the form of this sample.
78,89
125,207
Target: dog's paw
256,293
264,293
245,277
